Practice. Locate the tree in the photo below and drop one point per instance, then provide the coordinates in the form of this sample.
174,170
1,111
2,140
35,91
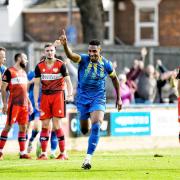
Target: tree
92,19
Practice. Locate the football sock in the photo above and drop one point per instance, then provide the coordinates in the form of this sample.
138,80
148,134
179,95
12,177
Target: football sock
3,138
44,137
93,138
22,140
54,142
61,140
33,135
26,136
22,152
45,153
88,156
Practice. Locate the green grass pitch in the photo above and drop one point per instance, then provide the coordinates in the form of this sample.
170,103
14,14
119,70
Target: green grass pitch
126,164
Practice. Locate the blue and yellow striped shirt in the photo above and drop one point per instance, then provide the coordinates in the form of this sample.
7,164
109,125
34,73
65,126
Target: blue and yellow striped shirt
91,79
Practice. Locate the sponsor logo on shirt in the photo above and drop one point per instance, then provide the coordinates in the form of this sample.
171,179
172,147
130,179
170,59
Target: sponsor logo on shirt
50,77
19,80
55,70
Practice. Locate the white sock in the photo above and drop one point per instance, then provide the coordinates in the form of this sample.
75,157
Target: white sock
45,153
64,153
89,156
53,152
22,152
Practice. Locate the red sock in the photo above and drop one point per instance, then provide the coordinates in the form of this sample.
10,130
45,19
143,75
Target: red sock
22,140
60,136
44,137
3,138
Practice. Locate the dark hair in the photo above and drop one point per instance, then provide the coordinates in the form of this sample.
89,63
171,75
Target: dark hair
95,42
48,45
17,56
2,49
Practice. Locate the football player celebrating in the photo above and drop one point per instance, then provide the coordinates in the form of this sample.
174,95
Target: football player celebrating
91,97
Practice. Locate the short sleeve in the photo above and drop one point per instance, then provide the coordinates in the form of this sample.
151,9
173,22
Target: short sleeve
109,68
64,70
84,57
6,76
2,69
37,72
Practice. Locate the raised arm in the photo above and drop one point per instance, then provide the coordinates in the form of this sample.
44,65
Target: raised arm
71,55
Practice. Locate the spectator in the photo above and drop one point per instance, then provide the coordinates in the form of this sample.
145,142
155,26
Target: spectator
146,86
133,75
143,53
126,70
167,92
126,95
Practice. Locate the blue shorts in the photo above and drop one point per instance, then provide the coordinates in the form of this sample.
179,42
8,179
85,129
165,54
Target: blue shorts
34,115
85,109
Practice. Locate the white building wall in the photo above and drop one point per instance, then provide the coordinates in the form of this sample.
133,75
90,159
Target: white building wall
4,26
15,20
11,29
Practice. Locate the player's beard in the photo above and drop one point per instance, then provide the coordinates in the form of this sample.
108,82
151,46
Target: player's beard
22,65
49,59
94,58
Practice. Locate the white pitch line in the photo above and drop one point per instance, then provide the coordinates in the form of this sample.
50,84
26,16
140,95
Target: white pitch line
38,162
